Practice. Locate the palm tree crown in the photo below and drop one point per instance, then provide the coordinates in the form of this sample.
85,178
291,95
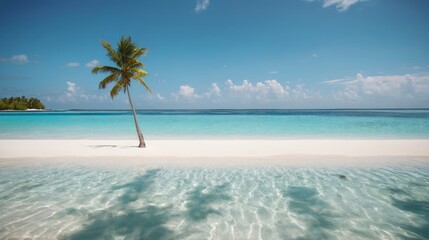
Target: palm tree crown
127,66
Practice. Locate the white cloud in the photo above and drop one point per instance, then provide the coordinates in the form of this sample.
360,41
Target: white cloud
260,88
186,92
341,5
406,90
266,91
71,89
74,94
391,86
17,59
301,93
92,63
273,72
189,94
339,81
73,64
202,5
276,88
214,91
159,97
349,93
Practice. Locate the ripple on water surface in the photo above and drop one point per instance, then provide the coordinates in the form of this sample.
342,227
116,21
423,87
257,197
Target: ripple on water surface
87,202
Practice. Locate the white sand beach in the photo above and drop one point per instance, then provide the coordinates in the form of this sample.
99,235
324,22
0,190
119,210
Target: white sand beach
212,148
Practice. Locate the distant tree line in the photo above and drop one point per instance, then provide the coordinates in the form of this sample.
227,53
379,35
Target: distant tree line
20,103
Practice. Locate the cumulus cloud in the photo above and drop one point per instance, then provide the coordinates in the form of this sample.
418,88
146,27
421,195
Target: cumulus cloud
260,90
92,63
341,5
71,88
16,59
362,91
214,91
393,86
300,92
202,5
74,94
189,94
73,64
186,92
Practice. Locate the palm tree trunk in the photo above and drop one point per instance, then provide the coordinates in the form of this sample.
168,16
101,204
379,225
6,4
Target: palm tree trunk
142,144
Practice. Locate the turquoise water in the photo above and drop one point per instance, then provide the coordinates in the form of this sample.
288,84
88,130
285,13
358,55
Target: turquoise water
129,199
217,124
66,200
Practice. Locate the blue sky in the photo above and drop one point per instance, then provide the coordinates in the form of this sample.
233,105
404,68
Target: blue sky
221,53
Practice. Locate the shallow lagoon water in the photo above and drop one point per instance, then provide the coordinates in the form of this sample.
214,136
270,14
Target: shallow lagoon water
202,124
66,200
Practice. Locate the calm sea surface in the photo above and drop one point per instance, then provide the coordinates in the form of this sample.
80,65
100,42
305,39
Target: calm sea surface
216,124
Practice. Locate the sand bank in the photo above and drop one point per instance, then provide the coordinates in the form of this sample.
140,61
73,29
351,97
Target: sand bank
212,148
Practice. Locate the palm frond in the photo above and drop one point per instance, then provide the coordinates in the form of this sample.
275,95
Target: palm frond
105,69
139,72
126,49
134,63
116,89
111,78
138,52
111,53
140,79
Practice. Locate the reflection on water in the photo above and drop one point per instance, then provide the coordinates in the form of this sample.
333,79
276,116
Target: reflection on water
88,202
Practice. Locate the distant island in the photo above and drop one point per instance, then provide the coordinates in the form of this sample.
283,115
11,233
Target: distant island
20,103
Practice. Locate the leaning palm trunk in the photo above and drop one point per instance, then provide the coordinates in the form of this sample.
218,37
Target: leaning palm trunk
127,67
142,144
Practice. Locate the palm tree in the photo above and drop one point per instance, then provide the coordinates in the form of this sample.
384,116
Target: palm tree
127,67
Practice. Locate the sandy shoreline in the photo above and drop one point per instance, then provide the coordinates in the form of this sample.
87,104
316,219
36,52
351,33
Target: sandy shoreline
212,148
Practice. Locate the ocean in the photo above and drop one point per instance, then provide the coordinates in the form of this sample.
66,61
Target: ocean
129,199
200,124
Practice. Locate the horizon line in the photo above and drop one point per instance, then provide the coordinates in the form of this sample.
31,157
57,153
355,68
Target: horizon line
210,109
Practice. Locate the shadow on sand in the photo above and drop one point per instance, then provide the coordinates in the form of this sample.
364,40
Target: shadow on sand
104,146
112,146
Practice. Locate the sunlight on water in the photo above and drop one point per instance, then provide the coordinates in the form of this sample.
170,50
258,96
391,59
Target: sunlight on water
85,202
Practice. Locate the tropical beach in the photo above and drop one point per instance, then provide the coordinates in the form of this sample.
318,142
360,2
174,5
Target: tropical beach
207,119
217,133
